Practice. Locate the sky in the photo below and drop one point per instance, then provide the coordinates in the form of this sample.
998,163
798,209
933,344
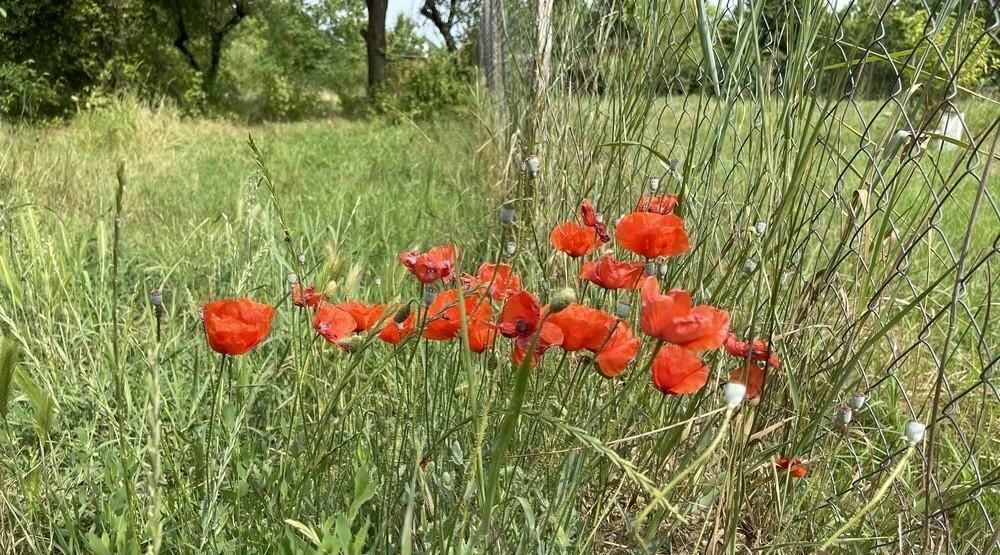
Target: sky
411,9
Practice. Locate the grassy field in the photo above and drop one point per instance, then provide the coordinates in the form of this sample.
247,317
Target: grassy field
106,445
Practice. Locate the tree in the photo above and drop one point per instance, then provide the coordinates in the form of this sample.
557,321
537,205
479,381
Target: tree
374,36
453,21
212,18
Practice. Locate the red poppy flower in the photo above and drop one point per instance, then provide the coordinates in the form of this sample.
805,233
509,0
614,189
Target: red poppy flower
750,375
618,352
437,263
573,239
588,212
500,278
445,321
582,327
678,371
333,323
661,205
482,334
366,316
757,350
520,315
610,273
309,297
792,466
394,332
671,318
652,235
590,220
234,326
549,336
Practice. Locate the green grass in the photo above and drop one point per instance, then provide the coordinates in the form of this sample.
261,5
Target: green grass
391,449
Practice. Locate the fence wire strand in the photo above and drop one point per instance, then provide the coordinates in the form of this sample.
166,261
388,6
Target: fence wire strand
875,168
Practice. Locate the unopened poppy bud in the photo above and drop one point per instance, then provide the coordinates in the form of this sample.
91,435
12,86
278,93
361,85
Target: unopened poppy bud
674,164
430,293
857,401
664,268
532,166
507,213
761,227
650,268
302,258
654,183
914,432
733,393
402,314
378,281
510,248
353,344
156,298
561,299
293,279
623,310
750,266
843,416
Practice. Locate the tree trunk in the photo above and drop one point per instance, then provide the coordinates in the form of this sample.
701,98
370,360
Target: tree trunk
430,11
375,43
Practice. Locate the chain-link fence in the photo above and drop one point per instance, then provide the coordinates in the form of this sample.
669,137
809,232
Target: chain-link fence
838,166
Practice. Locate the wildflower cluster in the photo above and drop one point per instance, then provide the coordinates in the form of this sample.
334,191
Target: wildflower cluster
492,304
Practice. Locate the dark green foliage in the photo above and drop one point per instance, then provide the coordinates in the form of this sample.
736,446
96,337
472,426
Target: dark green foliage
255,59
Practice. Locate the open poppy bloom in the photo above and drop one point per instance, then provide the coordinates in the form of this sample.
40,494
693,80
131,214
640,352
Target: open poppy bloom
393,332
618,352
234,326
444,318
366,316
482,332
664,204
437,263
520,316
499,280
671,318
752,376
792,466
678,371
573,239
590,219
610,273
548,336
757,350
651,235
582,327
308,297
334,324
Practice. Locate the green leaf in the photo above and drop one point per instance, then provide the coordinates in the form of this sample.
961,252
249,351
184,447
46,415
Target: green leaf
8,358
306,531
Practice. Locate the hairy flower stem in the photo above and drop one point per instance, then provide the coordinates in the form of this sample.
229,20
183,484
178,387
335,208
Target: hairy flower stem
882,490
661,495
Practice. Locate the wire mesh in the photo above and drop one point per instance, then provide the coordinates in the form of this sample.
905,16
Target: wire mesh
862,136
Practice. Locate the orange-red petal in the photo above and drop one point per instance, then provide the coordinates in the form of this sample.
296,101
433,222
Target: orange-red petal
582,327
333,323
610,273
752,376
618,352
365,316
234,326
678,371
573,239
652,235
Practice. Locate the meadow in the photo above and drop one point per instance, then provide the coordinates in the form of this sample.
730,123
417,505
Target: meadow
124,433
